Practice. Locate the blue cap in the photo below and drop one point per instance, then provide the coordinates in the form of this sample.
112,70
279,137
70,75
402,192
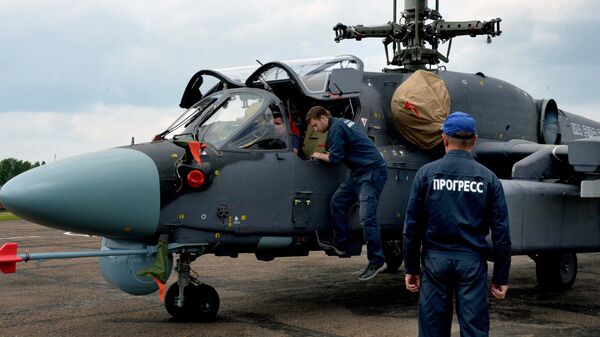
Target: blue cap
459,125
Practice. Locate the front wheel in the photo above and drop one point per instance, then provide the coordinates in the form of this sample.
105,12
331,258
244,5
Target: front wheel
556,272
200,303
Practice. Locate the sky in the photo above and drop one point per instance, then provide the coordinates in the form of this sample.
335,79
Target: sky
80,76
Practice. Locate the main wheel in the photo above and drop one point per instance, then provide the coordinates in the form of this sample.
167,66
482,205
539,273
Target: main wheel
200,303
392,250
556,272
207,302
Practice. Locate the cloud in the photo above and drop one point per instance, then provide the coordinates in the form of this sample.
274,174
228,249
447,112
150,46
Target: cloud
42,136
546,48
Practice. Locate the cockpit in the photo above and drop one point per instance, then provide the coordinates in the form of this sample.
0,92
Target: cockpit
240,119
243,108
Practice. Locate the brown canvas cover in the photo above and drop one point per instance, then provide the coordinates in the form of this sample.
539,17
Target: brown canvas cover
419,106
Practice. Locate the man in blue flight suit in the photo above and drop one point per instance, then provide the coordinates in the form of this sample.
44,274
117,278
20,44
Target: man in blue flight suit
453,204
348,143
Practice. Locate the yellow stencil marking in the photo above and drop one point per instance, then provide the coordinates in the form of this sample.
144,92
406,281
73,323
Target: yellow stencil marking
243,217
174,155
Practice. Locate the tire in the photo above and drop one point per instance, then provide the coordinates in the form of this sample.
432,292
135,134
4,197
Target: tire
206,302
200,303
392,250
556,272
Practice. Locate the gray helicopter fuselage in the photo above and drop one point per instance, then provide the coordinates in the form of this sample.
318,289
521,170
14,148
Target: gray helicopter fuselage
272,202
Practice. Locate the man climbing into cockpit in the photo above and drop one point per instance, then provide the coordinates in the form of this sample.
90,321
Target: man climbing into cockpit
348,143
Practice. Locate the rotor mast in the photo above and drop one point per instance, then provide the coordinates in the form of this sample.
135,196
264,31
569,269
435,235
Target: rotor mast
417,27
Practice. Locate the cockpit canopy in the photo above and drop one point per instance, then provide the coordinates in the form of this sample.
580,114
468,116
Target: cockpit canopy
262,107
238,119
317,77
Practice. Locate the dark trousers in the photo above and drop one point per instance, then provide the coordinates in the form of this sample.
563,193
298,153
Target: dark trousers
365,188
448,275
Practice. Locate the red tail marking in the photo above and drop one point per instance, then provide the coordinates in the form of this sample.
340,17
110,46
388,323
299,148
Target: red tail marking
9,258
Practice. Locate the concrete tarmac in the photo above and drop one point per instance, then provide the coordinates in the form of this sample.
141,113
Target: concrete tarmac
316,295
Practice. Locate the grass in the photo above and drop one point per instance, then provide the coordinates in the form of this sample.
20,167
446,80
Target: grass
6,215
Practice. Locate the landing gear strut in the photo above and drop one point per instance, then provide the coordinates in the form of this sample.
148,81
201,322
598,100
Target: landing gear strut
556,271
188,299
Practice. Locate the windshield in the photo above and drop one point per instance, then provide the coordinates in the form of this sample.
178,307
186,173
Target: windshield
180,126
266,131
315,73
238,74
228,117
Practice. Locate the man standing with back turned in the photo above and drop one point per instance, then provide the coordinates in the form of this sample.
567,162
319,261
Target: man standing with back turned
348,143
453,204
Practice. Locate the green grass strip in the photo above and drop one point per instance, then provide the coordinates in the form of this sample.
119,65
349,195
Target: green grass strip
6,215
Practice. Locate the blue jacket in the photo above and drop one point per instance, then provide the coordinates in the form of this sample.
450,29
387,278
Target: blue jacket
348,143
453,204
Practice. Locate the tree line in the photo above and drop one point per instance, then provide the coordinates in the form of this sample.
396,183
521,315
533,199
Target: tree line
12,167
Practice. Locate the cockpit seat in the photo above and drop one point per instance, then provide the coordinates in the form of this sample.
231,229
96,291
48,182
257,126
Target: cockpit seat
314,142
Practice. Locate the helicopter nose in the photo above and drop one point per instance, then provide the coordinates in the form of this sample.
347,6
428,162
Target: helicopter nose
112,193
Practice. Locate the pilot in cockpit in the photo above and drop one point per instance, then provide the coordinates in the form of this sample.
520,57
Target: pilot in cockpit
281,130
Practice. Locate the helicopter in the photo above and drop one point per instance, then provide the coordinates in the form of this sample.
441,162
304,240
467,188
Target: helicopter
225,179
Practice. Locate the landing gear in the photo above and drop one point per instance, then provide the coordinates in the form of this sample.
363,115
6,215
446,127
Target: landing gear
392,250
556,271
188,299
200,303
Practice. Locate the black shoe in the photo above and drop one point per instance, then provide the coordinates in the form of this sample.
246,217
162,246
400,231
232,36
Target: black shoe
330,246
371,271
